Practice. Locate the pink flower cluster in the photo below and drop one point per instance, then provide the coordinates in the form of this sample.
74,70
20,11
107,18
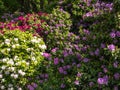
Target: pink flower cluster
29,22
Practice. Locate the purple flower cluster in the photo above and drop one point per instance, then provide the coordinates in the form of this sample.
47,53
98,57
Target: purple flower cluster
32,86
111,47
103,81
115,34
99,8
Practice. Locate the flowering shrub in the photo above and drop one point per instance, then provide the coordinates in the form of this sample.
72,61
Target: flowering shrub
83,49
29,22
57,28
92,61
8,17
20,57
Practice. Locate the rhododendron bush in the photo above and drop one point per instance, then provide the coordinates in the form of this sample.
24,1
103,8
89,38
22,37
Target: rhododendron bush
20,57
74,47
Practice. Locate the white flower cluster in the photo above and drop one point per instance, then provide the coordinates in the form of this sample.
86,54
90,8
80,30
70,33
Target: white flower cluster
18,59
35,40
42,46
10,69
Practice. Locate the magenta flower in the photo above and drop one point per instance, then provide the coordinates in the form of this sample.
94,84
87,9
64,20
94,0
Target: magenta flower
21,18
115,64
86,31
56,61
79,74
30,87
60,69
62,85
103,45
112,34
41,81
76,82
105,70
54,50
100,81
111,47
85,60
97,52
46,75
103,80
65,53
65,72
117,76
34,85
46,55
91,84
118,33
68,66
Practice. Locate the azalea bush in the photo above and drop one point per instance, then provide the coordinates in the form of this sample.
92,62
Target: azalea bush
29,22
20,58
57,28
92,61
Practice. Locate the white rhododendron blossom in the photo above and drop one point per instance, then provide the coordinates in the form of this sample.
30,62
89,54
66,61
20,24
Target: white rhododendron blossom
43,46
0,75
7,41
20,57
2,87
16,39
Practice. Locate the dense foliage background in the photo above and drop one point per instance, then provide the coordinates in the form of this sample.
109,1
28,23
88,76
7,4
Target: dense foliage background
72,44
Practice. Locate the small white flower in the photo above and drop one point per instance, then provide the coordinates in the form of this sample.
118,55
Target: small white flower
21,72
23,61
2,43
28,49
8,49
18,63
27,63
15,57
13,46
15,76
33,40
16,39
35,37
17,45
11,62
3,67
1,76
42,46
4,59
33,58
24,40
12,68
19,88
39,39
7,41
11,88
12,75
10,85
41,53
2,87
31,49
